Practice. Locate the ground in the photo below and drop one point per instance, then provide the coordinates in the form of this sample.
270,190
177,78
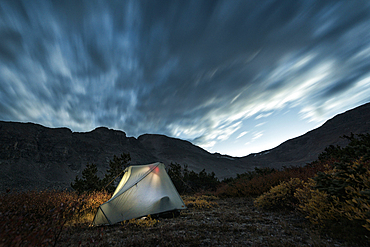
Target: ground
213,222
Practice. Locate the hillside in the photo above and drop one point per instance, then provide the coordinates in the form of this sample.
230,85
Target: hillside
34,156
306,148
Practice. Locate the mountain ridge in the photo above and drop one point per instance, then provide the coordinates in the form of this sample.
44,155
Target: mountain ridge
36,157
307,146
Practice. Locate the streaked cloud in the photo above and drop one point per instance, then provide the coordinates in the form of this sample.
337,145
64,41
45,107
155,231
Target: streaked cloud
263,115
260,124
257,135
198,70
242,134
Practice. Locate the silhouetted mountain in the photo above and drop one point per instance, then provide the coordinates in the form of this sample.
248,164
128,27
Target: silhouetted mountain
33,156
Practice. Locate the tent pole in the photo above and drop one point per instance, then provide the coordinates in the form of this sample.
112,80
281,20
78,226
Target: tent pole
113,180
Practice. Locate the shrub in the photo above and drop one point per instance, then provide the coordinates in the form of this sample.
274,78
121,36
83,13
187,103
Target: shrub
317,205
115,172
333,192
280,196
37,218
259,183
342,176
358,208
339,194
91,182
144,222
358,146
201,202
187,181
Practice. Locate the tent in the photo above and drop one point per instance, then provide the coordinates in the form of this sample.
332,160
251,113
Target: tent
143,190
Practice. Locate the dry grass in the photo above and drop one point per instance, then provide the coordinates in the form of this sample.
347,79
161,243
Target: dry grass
209,222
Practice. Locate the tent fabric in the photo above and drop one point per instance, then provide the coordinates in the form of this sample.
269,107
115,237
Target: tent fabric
143,190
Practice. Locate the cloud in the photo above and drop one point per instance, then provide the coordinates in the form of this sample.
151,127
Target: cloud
260,124
257,135
242,134
263,115
197,70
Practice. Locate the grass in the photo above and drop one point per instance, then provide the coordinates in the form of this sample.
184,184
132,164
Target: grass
208,221
233,222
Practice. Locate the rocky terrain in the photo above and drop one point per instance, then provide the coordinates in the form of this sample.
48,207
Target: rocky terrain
36,157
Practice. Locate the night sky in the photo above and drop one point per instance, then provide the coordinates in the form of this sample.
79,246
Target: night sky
233,77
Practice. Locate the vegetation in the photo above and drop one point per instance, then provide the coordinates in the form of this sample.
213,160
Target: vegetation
337,197
332,193
115,172
187,181
91,182
358,146
211,221
261,180
144,222
201,202
340,196
280,196
37,218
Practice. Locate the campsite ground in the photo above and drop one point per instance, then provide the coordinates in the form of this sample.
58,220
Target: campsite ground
208,221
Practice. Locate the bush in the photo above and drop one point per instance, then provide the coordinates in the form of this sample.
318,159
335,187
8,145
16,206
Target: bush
317,205
115,172
280,196
201,202
144,222
358,146
187,181
250,174
337,180
37,218
358,208
91,182
255,184
339,194
333,192
260,181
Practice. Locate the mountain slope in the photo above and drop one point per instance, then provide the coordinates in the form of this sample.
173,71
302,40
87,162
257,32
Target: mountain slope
170,150
306,148
33,156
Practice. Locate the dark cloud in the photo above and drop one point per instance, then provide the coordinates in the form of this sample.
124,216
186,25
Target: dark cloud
341,86
191,69
11,45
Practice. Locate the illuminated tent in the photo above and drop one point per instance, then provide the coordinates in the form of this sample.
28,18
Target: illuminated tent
143,190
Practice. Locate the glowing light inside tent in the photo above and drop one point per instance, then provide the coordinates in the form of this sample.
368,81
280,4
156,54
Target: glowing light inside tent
156,170
155,178
151,193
